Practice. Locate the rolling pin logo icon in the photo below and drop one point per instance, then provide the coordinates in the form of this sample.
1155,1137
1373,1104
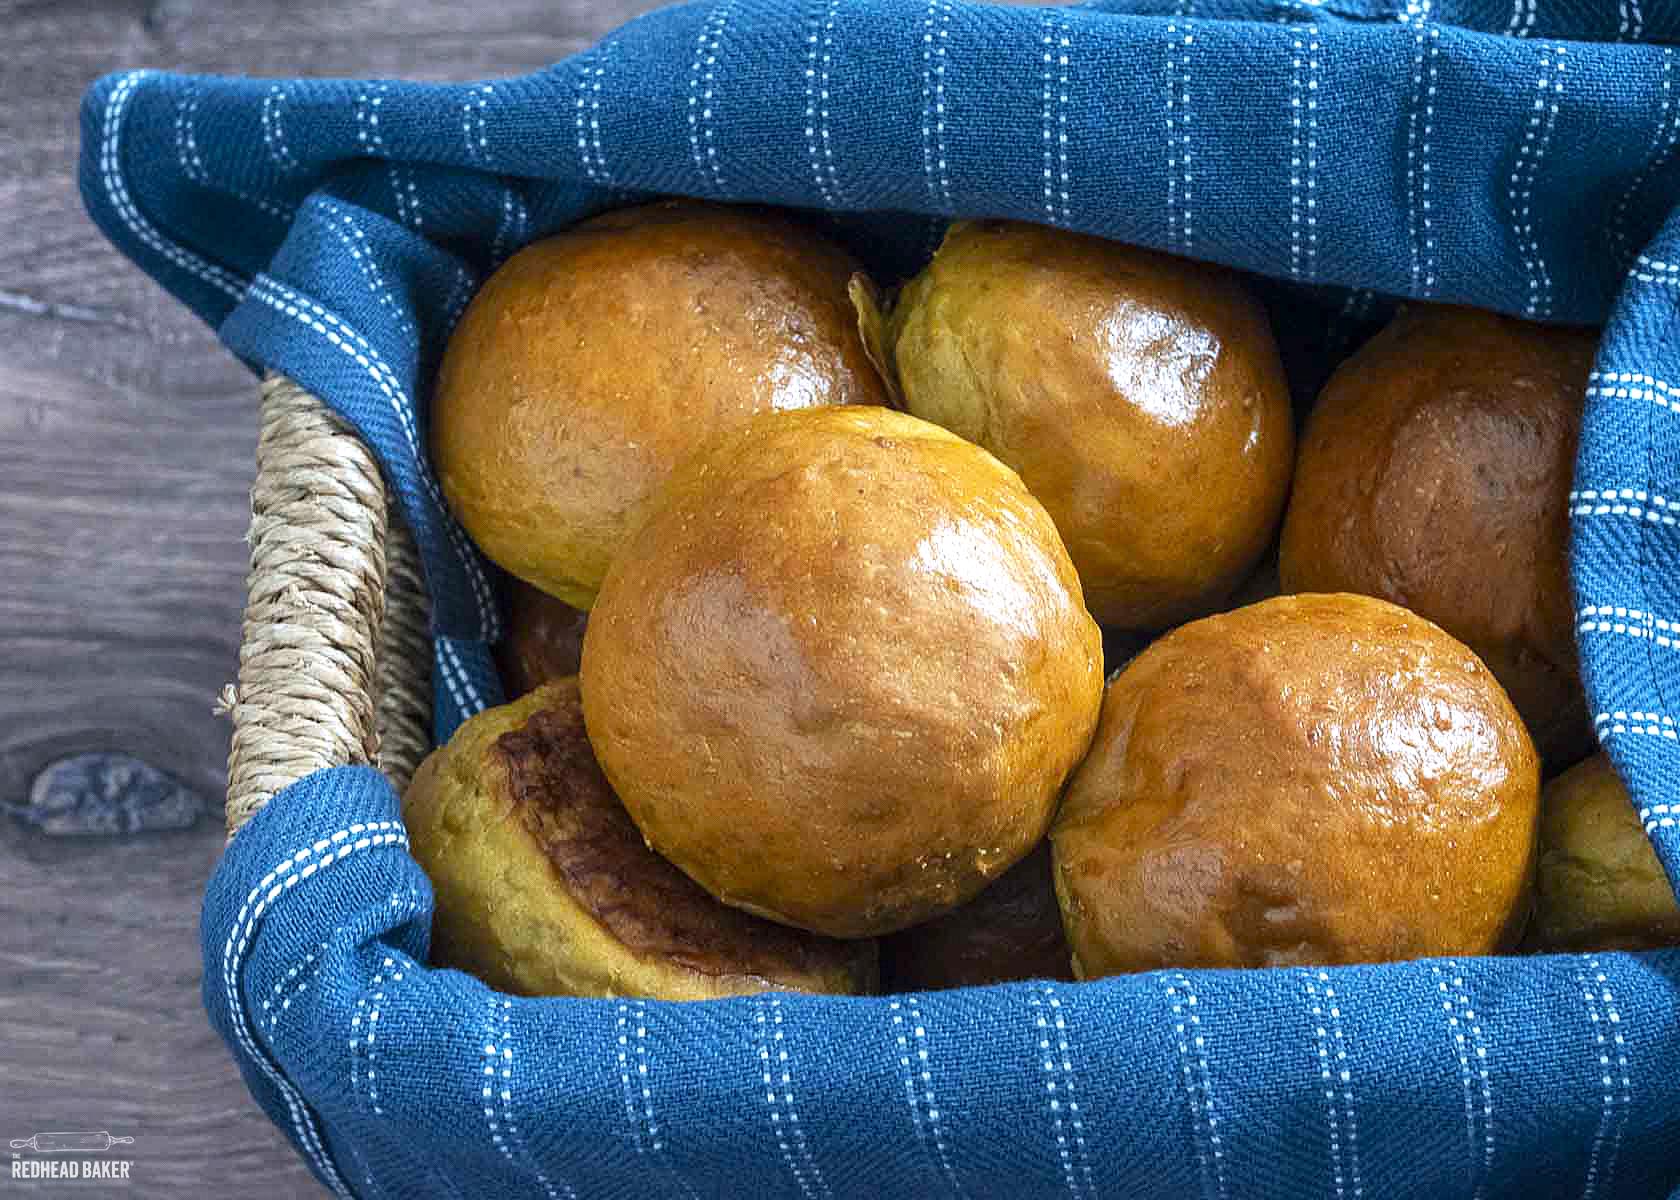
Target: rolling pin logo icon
70,1143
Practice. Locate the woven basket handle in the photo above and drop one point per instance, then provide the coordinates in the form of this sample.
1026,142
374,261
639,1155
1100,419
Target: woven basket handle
335,655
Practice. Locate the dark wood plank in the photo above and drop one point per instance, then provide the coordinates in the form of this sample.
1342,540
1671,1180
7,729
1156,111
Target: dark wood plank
126,439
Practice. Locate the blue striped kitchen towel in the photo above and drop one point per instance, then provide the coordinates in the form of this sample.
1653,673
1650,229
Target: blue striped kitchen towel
1514,154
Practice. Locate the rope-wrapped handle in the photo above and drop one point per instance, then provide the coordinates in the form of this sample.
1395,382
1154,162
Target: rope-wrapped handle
334,656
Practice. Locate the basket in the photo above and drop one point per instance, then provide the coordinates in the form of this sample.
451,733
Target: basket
332,232
334,653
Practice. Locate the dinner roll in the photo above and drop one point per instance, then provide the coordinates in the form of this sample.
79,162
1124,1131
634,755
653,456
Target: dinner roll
1312,779
593,361
842,670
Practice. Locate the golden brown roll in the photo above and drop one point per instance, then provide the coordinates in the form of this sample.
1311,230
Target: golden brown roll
1141,398
1600,885
1012,930
842,670
544,640
593,361
1435,472
544,887
1312,779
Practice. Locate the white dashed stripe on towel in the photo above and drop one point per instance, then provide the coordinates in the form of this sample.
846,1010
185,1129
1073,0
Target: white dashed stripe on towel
1622,621
586,115
829,19
511,227
1664,137
286,874
702,95
1651,270
457,671
1336,1075
1066,1119
1633,385
1420,132
776,1069
1632,25
111,176
1537,137
818,58
274,130
1642,724
1611,1049
635,1081
1623,502
1198,1082
191,161
637,1134
602,174
355,241
370,133
1181,39
497,1077
936,37
497,1084
1064,51
1464,1032
1056,37
473,132
910,1035
1303,151
297,978
812,50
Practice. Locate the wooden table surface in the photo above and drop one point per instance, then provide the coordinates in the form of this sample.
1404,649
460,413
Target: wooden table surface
126,440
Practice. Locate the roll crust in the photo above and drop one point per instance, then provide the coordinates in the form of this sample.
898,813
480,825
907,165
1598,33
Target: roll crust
1435,473
1140,396
593,361
1313,779
843,669
544,886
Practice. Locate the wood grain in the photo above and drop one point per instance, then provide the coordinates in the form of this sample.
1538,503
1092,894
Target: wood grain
126,440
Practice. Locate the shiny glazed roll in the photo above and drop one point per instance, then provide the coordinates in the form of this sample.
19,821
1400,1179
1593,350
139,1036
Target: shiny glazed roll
842,670
1141,398
544,887
1435,472
1314,779
593,361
